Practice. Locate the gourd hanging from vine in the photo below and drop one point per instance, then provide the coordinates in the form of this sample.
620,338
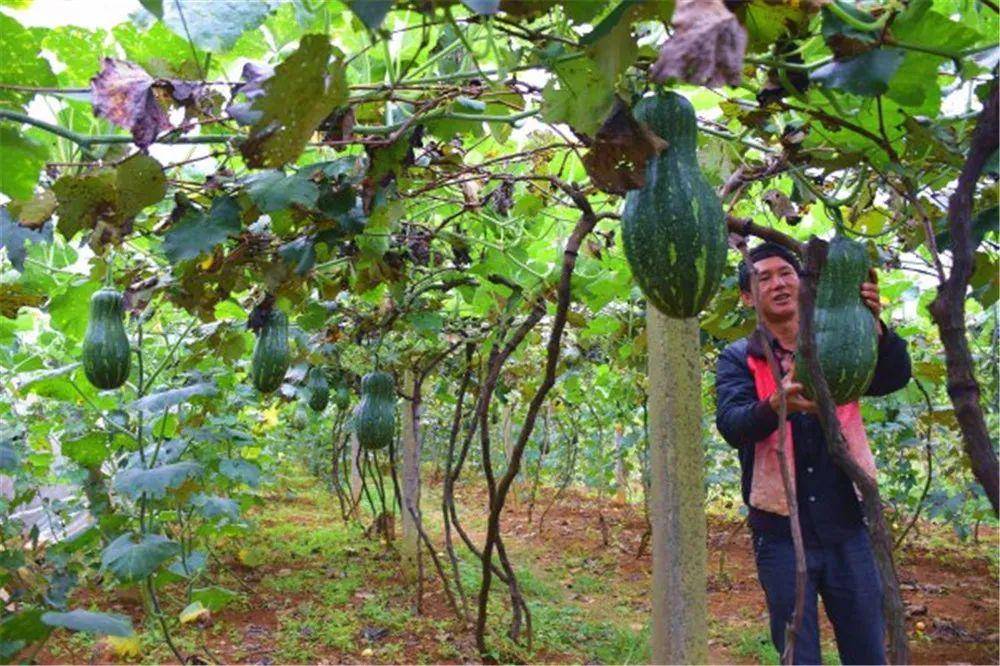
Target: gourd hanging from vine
271,353
106,351
375,415
319,389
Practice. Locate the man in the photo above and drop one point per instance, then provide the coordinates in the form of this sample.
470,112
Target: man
841,567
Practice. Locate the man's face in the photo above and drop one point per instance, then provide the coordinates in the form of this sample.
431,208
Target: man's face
777,289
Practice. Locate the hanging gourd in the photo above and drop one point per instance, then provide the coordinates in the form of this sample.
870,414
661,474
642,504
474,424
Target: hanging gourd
319,389
271,354
846,333
673,227
375,415
106,351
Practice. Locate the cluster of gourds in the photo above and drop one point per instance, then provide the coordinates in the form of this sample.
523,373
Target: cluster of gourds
107,355
675,238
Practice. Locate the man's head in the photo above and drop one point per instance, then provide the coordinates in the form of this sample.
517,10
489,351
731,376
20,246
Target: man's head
778,281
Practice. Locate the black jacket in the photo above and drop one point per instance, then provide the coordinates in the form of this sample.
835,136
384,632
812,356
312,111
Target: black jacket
829,510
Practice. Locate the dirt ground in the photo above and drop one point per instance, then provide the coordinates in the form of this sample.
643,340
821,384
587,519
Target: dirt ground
312,590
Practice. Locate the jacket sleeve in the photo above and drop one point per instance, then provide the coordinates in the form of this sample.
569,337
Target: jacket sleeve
892,370
742,418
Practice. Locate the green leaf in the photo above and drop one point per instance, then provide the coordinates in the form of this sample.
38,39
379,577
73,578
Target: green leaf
304,90
9,460
21,64
69,310
371,12
240,470
130,560
85,199
19,629
89,622
158,50
216,507
155,482
214,598
425,322
157,402
88,451
154,7
80,50
198,233
867,74
578,95
23,161
13,237
140,182
215,26
273,191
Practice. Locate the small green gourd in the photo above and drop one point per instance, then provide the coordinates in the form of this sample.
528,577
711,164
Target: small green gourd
846,332
319,389
673,227
106,351
375,415
271,353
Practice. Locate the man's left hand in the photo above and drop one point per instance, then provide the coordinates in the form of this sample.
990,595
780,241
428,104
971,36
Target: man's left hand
870,297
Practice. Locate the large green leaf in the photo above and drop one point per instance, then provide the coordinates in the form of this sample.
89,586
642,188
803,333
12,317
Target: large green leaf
19,629
157,402
155,482
371,12
23,161
69,310
132,560
867,74
217,25
273,191
578,95
89,450
304,90
197,232
89,622
21,63
80,50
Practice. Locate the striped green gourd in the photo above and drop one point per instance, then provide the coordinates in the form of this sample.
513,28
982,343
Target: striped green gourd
106,351
271,354
673,227
375,415
319,389
846,333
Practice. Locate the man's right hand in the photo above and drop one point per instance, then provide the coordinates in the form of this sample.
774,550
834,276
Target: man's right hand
794,396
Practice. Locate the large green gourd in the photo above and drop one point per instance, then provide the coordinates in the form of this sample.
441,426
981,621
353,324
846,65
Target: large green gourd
270,355
106,352
319,389
674,229
846,332
375,415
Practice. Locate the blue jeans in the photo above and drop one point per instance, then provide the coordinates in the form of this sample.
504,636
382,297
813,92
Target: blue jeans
845,576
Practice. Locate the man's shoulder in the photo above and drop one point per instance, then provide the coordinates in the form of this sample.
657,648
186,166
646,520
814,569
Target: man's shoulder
737,349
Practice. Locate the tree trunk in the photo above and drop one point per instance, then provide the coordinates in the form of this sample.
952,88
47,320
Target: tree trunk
410,546
621,476
676,504
508,440
948,308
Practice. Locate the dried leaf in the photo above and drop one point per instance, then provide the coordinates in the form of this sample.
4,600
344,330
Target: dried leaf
617,159
707,46
124,94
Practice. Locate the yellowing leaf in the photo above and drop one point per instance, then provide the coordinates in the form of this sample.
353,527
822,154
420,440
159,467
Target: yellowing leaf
194,612
125,647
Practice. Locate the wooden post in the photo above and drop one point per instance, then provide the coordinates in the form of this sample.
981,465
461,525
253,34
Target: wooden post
676,505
